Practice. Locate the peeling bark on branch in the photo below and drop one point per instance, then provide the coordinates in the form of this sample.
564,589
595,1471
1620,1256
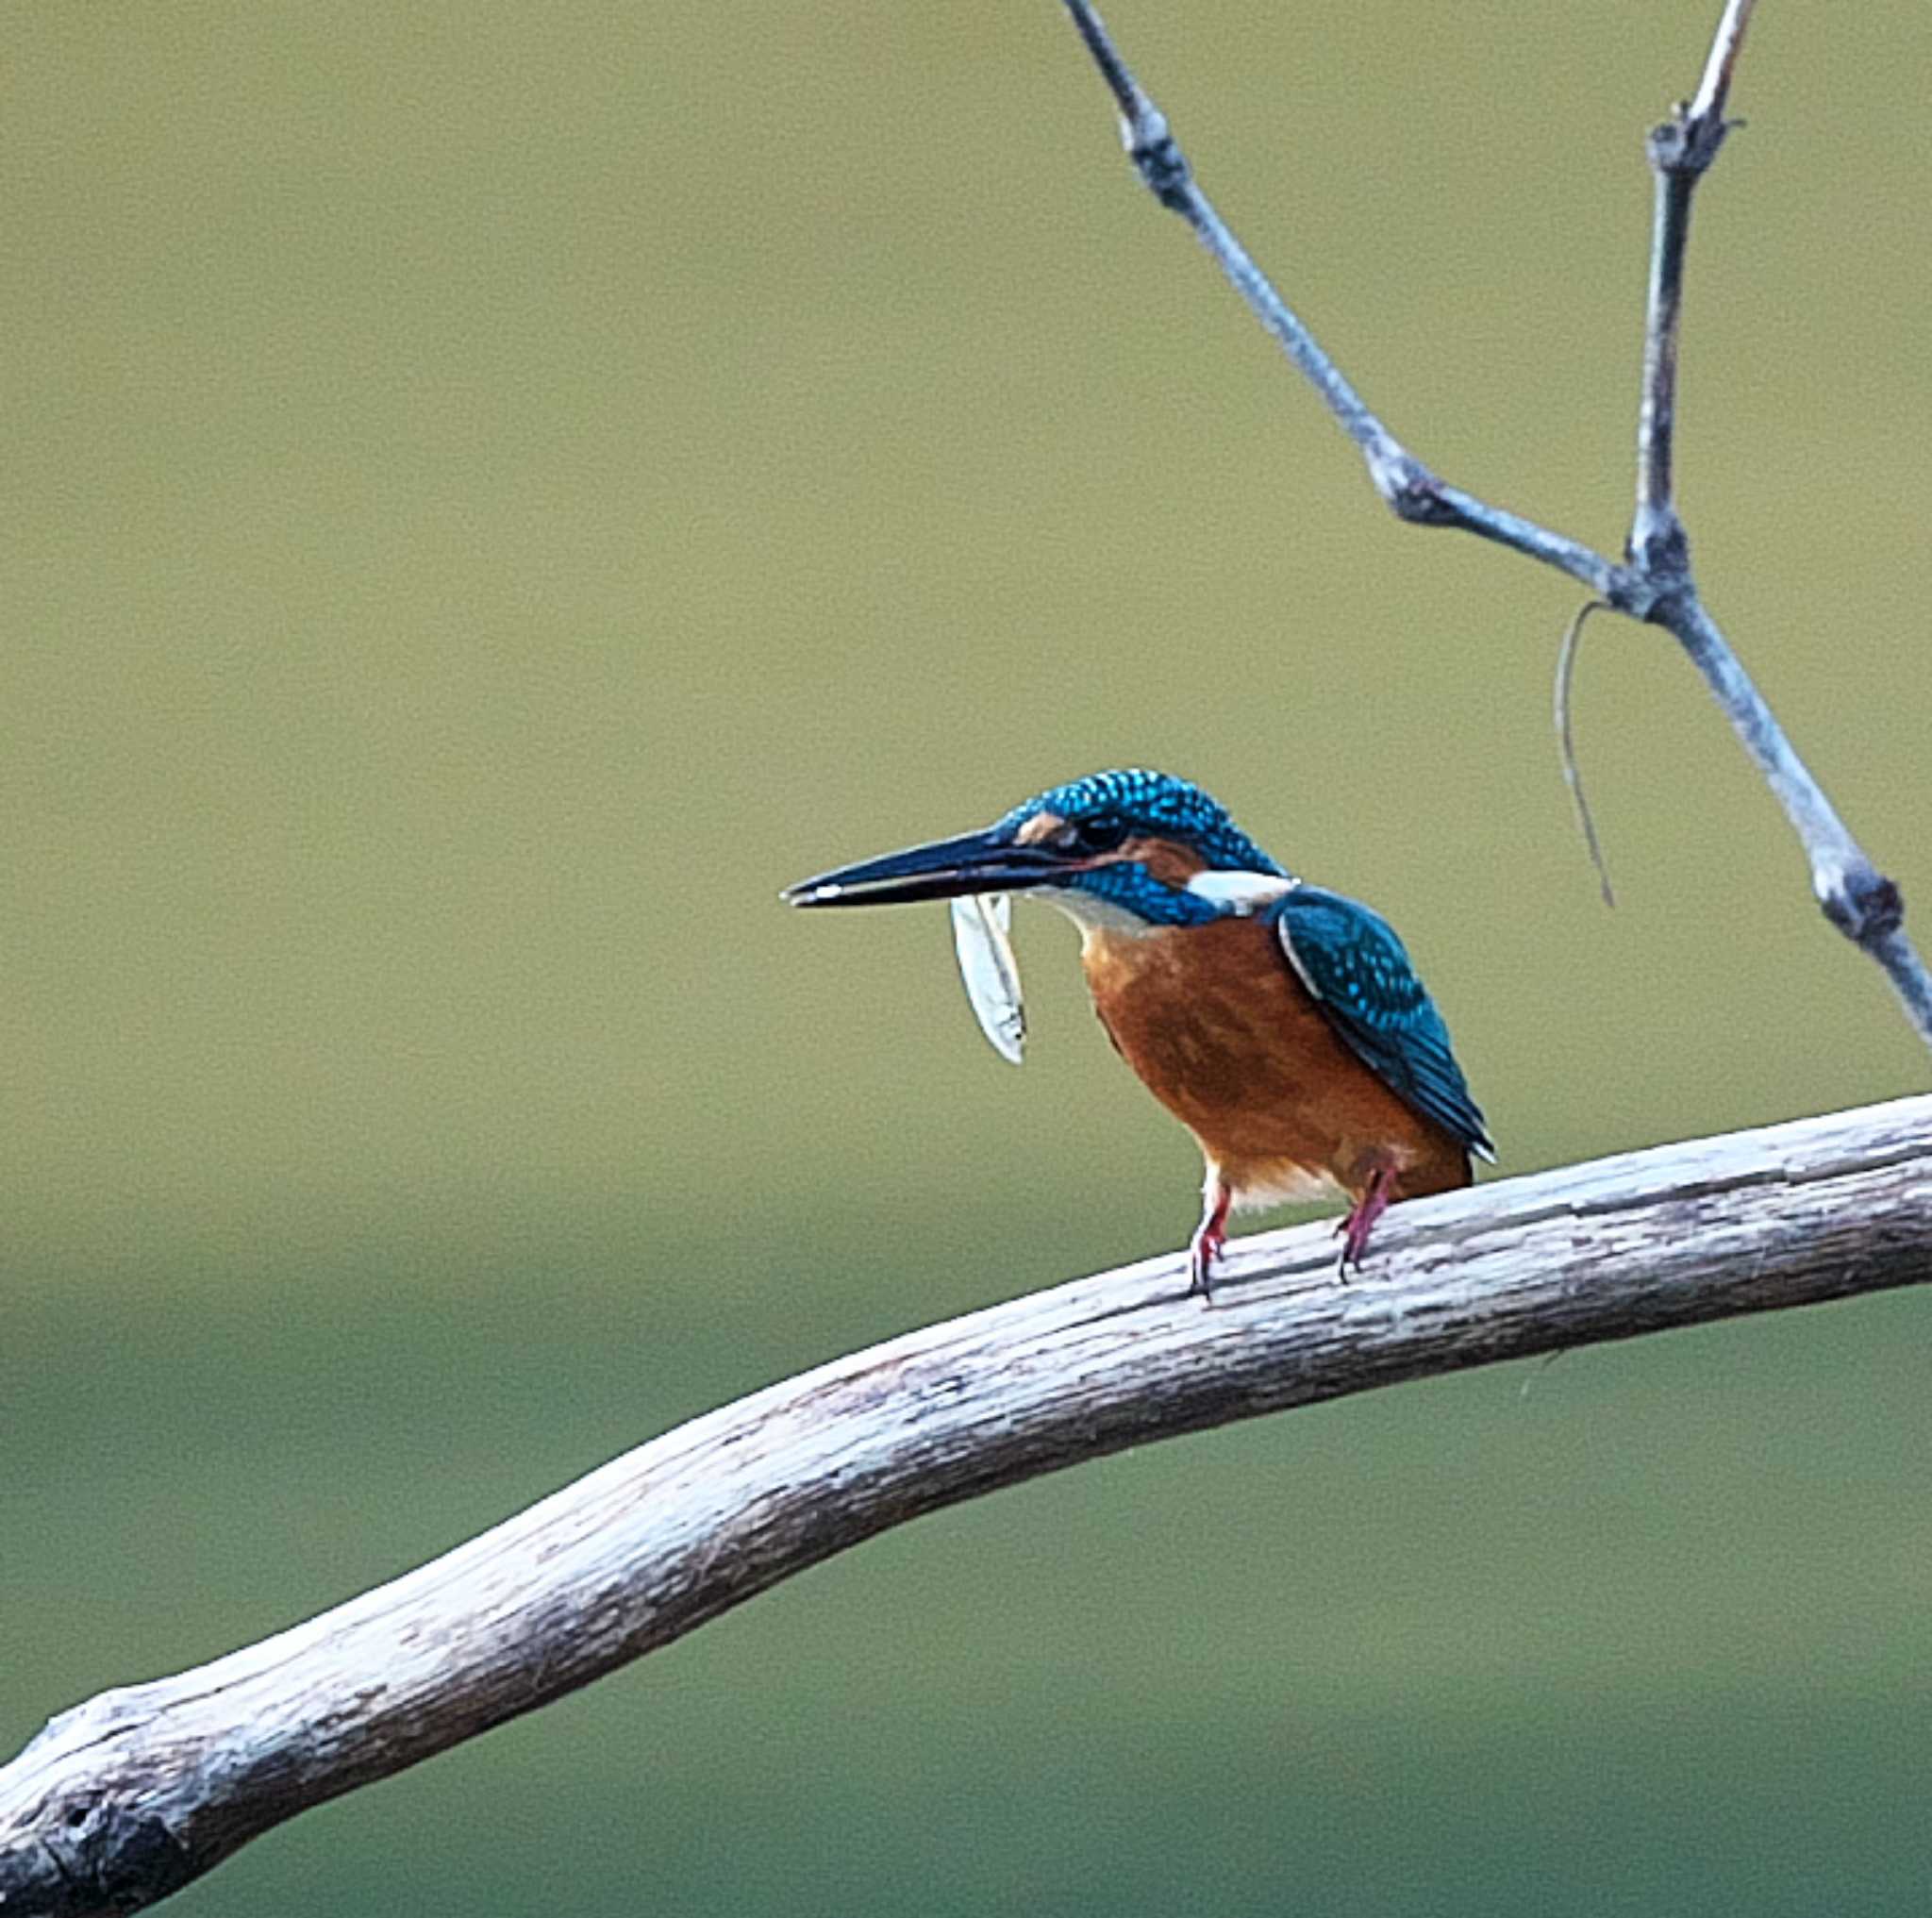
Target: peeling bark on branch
131,1796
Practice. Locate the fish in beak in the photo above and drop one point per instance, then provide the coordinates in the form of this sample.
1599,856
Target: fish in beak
978,872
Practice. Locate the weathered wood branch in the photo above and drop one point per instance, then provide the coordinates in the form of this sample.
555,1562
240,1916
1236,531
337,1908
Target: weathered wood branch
129,1796
1653,582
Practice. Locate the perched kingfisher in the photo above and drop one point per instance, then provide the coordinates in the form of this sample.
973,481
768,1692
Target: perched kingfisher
1280,1023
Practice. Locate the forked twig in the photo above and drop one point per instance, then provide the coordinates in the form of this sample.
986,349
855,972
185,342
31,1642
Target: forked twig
1654,581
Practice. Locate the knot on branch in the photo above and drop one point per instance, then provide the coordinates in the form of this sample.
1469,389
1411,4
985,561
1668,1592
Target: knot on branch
104,1857
1158,158
1659,549
1863,904
1687,142
1413,494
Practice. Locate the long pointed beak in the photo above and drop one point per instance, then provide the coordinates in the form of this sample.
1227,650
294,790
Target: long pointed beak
986,862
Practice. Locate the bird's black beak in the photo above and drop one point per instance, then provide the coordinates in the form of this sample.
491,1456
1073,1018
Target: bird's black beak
988,862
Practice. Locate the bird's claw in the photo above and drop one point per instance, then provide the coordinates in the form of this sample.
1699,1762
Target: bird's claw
1203,1250
1354,1229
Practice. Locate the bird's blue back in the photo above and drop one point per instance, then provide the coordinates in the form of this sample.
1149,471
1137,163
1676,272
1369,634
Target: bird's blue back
1359,973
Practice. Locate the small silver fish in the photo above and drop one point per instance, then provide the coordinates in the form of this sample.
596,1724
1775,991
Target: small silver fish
990,973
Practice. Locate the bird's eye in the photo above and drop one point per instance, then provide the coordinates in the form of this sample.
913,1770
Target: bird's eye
1100,835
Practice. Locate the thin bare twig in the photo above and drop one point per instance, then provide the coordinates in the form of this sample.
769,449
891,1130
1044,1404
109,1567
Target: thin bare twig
1681,151
1653,582
1408,487
131,1796
1566,742
1714,89
1859,900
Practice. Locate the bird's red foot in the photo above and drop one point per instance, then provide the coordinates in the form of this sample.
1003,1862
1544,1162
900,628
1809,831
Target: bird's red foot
1354,1229
1205,1247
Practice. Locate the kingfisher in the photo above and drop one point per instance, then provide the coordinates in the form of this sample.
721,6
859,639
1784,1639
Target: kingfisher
1281,1023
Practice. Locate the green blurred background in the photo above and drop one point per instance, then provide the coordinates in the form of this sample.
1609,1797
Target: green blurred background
493,492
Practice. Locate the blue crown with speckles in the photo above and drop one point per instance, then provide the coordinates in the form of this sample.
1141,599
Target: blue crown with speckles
1158,804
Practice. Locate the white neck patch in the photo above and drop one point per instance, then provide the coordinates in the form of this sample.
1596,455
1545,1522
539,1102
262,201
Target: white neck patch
1240,893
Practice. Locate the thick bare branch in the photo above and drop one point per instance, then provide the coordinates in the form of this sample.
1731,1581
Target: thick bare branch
129,1796
1653,582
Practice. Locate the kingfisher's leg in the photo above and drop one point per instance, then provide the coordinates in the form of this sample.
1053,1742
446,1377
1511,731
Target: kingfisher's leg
1211,1235
1354,1229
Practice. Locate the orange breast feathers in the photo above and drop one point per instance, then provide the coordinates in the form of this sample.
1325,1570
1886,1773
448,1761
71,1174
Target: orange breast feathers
1225,1035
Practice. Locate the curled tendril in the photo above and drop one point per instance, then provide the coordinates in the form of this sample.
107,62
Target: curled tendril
1573,777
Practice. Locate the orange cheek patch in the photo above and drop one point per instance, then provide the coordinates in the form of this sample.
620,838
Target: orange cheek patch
1172,865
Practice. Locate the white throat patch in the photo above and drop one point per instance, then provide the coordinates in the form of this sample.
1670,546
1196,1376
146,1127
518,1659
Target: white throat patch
1241,893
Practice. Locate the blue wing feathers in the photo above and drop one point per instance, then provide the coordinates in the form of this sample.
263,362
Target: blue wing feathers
1359,975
